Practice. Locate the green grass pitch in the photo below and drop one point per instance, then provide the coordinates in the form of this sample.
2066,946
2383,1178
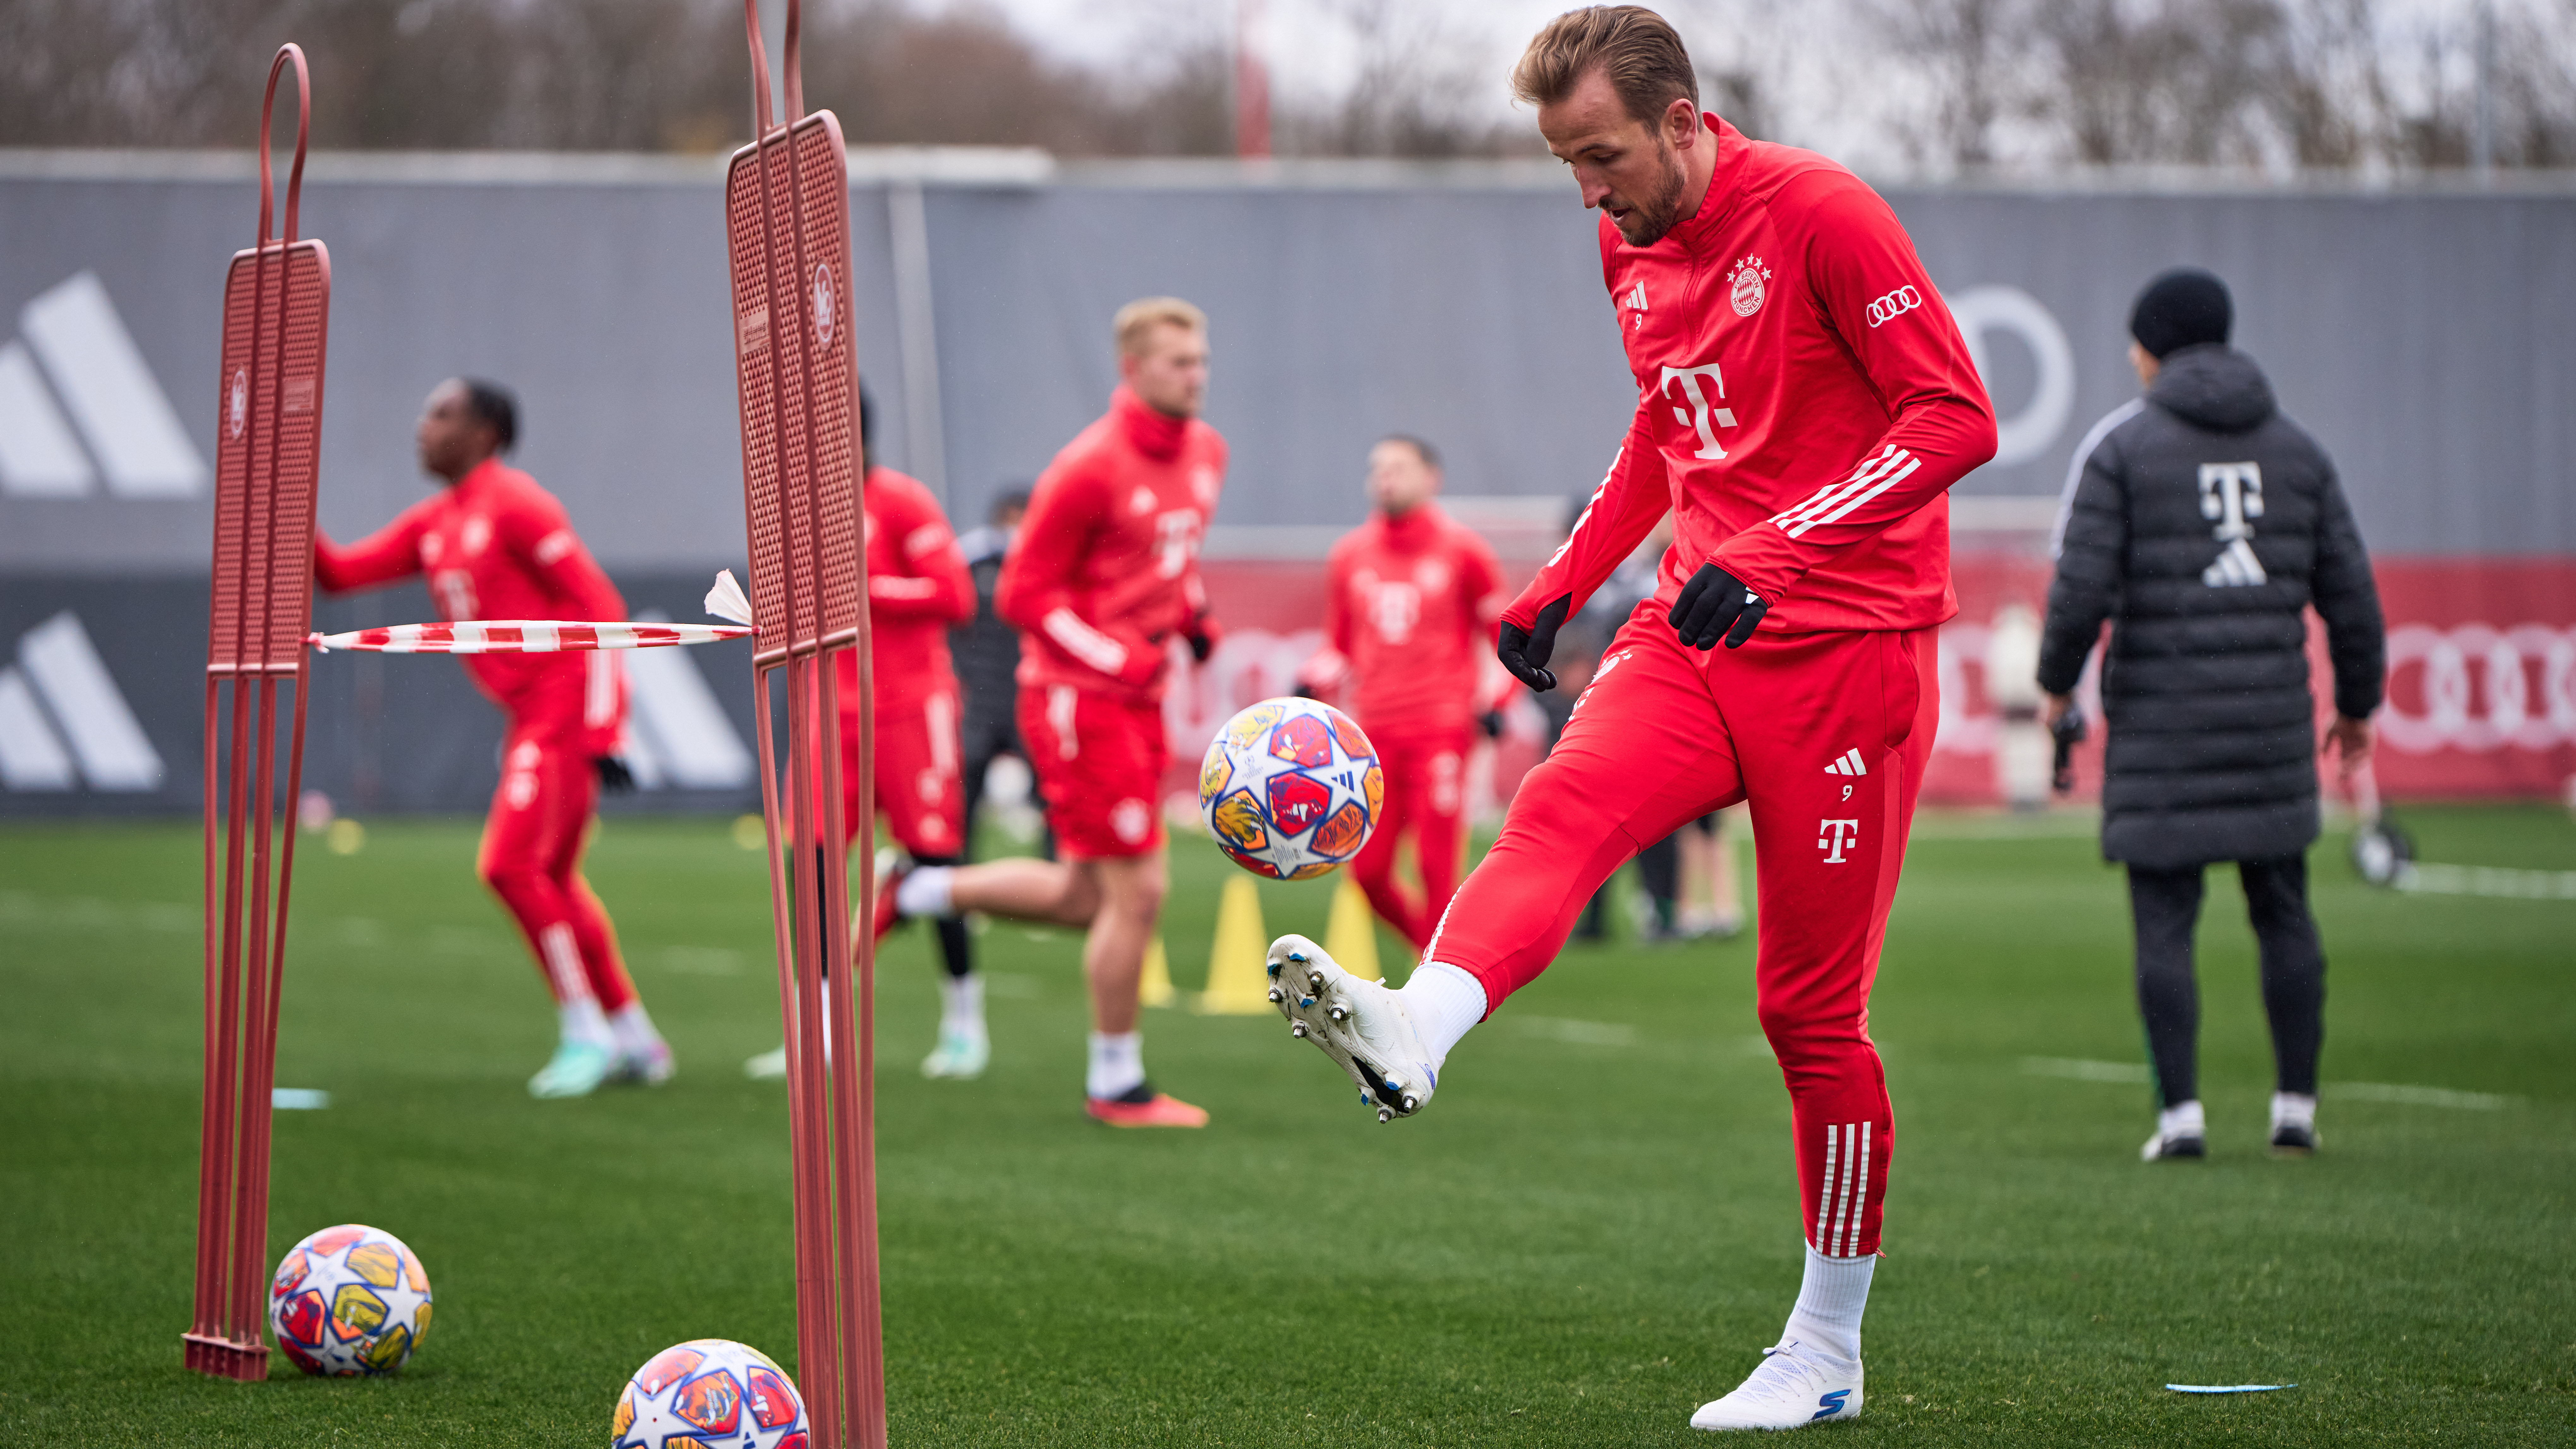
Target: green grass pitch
1591,1232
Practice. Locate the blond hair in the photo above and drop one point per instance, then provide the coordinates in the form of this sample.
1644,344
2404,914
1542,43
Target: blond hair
1137,320
1634,47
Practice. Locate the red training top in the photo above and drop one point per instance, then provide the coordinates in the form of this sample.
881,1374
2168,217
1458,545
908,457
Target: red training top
1107,562
917,587
1408,622
1804,403
497,546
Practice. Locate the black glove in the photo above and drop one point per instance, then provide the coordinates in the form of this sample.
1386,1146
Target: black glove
614,777
1491,722
1525,651
1711,602
2067,733
1202,635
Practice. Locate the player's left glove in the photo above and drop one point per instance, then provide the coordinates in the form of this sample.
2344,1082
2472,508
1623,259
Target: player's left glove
1202,634
614,777
1716,604
1525,652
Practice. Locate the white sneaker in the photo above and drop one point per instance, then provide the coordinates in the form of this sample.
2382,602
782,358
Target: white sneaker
963,1052
1795,1386
768,1066
650,1064
1360,1024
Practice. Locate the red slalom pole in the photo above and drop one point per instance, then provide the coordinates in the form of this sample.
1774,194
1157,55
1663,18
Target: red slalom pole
277,302
787,214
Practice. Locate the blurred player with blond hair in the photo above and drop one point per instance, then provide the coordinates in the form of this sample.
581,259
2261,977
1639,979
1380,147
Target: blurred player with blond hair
1102,579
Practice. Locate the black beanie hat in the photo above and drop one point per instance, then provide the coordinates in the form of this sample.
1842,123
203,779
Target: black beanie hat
2181,308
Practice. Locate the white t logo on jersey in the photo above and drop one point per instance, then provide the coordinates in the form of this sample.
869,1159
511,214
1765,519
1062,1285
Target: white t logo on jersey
1834,837
1699,415
2230,495
1395,607
1176,536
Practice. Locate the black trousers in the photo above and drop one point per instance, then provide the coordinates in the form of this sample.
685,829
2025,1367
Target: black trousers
2165,906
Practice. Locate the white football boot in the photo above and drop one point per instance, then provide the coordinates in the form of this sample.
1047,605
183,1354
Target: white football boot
1358,1023
1795,1386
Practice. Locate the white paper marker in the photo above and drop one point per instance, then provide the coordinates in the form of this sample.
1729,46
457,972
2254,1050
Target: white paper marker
298,1099
2228,1388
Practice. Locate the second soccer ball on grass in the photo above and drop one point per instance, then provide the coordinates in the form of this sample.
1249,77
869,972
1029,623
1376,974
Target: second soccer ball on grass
1290,789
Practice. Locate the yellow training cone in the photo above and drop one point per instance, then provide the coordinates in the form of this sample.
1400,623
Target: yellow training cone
1154,988
1350,937
1238,980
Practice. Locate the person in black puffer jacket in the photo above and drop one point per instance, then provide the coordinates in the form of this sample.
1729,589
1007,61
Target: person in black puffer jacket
2203,523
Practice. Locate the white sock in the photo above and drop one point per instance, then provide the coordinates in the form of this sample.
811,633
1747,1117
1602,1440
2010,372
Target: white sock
1443,1002
961,1003
1117,1064
1830,1300
632,1030
2182,1119
925,892
2291,1109
582,1022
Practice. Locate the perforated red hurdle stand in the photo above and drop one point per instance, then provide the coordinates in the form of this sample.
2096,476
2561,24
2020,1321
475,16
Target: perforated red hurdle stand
277,304
787,213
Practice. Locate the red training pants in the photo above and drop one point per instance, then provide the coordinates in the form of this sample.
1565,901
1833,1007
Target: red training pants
531,858
1825,736
919,788
1426,788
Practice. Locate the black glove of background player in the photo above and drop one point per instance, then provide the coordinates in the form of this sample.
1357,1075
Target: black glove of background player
1713,604
614,777
1525,651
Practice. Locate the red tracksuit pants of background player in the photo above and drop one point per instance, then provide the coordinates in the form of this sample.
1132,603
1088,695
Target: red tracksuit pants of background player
1426,789
531,858
920,789
1825,736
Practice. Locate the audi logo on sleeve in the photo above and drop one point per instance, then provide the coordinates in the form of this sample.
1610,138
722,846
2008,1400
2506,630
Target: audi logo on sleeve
1894,305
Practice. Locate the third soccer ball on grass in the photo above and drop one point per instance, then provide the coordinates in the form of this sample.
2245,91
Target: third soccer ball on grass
349,1300
1291,788
702,1393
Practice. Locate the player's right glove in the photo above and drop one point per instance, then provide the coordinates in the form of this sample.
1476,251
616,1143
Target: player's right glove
1714,605
1525,651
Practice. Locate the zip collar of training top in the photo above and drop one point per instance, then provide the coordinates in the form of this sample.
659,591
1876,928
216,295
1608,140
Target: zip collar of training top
478,475
1155,433
1718,205
1412,530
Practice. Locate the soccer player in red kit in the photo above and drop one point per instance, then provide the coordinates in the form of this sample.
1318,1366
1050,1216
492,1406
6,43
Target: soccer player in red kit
1105,576
497,546
917,587
1408,618
1804,402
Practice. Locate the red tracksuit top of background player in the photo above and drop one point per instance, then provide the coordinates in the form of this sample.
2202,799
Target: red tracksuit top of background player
1106,566
497,546
1409,608
917,587
1804,402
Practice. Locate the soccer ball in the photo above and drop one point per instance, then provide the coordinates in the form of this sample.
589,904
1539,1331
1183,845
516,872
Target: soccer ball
1291,789
349,1300
693,1394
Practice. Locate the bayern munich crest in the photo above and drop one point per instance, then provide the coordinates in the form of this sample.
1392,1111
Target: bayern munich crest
1744,286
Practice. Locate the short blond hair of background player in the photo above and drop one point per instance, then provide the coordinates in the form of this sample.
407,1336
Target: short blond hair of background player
1137,320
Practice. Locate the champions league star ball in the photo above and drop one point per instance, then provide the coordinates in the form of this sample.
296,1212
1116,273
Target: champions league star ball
704,1393
349,1300
1291,789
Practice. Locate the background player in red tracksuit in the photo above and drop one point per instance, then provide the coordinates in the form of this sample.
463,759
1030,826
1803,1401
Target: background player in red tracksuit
1408,618
1104,576
917,587
1804,401
497,546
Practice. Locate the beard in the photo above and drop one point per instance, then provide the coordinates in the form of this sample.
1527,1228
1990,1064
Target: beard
1659,210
